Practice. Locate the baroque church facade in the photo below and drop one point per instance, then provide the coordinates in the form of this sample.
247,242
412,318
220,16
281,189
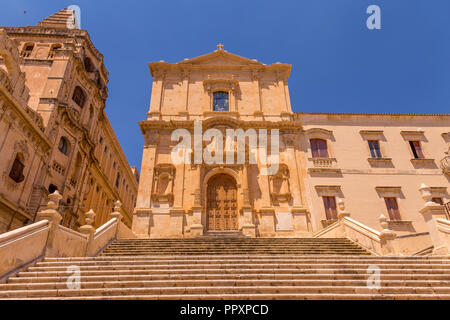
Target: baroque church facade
54,133
375,163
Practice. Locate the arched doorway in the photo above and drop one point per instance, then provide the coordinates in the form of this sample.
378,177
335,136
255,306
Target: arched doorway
221,208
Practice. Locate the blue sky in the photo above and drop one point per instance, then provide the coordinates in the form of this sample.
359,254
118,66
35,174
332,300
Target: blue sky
338,64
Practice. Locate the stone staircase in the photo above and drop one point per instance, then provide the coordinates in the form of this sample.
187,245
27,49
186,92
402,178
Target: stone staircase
233,268
214,245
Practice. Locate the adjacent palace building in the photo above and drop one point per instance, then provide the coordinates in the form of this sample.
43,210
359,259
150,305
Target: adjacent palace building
375,163
54,133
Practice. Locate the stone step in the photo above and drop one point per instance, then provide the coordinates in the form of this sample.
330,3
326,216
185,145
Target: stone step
275,266
179,246
228,261
233,268
252,257
255,296
441,284
238,276
221,290
199,251
226,272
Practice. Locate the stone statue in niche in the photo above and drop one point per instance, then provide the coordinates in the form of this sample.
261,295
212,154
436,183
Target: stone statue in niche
163,183
280,190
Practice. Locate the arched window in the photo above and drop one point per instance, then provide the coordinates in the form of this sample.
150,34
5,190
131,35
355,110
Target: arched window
16,172
52,188
118,180
27,49
63,146
53,49
220,101
79,96
88,65
319,148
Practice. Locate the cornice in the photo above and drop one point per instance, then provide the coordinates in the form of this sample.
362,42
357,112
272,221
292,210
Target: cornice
241,124
299,115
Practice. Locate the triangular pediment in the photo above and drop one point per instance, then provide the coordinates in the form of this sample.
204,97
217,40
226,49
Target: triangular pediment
221,57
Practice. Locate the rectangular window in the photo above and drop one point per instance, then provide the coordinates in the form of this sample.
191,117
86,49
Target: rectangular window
374,146
330,207
438,200
392,208
319,148
416,149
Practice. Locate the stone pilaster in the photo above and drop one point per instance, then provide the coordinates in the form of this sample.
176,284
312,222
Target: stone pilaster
248,228
197,228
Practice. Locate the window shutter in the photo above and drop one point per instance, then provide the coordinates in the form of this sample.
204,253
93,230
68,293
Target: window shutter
16,172
374,146
392,207
319,148
418,149
323,149
330,207
314,148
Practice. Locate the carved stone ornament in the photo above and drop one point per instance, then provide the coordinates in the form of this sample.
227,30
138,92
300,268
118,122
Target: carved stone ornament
163,183
280,190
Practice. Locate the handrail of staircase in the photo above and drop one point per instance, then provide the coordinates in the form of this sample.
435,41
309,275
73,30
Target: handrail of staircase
21,247
355,231
378,243
102,237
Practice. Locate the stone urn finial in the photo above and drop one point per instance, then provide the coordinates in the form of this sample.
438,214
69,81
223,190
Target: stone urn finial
90,215
51,212
117,205
53,200
341,209
117,211
425,192
88,229
383,222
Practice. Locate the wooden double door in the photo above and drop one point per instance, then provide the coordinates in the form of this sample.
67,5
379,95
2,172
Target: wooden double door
221,209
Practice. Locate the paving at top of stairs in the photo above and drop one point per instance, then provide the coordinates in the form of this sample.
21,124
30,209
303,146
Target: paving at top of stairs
234,245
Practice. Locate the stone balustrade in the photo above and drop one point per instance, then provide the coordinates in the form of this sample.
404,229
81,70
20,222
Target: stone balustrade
322,164
379,243
47,238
